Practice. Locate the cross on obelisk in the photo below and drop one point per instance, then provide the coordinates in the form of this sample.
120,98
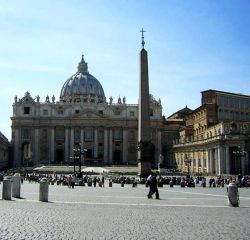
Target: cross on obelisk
145,148
142,37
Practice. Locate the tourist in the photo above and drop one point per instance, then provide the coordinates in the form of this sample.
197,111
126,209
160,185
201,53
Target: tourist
149,184
73,181
102,181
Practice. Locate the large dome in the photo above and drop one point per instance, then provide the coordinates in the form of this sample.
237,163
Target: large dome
82,87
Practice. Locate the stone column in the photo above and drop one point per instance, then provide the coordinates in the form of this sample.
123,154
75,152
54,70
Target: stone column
105,157
227,160
67,157
215,154
207,161
220,169
36,152
213,161
197,162
72,142
52,145
125,146
96,143
158,146
110,146
210,161
202,161
17,149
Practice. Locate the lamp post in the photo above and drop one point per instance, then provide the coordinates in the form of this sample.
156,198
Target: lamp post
76,156
78,153
187,162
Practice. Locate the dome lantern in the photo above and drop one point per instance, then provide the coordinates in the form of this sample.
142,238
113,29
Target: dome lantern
83,66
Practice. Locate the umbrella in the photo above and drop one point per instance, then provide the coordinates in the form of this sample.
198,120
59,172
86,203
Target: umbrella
95,170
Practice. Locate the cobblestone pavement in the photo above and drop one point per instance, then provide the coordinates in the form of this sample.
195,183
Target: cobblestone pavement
124,213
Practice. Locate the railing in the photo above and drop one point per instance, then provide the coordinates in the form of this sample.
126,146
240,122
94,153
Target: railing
210,139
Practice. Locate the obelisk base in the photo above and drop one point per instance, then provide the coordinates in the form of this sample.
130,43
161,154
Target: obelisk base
144,168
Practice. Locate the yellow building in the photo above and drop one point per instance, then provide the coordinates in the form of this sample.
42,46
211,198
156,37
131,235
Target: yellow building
216,141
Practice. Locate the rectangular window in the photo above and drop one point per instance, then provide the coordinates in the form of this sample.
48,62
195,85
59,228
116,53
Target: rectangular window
25,133
45,112
59,133
131,113
247,116
151,113
117,112
26,110
237,115
100,112
100,134
117,136
60,111
220,100
88,134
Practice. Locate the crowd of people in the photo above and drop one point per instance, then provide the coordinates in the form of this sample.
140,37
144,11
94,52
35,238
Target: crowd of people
69,180
99,180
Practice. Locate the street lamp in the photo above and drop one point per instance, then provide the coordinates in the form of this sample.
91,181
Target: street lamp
238,155
78,153
187,162
76,156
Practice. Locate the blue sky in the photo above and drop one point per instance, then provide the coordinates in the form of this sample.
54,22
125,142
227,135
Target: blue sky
192,45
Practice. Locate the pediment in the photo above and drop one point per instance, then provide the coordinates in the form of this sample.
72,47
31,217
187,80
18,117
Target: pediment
89,115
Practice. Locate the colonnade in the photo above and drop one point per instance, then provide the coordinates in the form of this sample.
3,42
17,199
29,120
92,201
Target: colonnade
107,143
216,160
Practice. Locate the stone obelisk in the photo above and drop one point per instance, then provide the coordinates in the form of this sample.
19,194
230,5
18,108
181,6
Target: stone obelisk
144,144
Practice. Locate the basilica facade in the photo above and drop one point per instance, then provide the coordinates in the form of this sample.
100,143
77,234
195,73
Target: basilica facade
82,124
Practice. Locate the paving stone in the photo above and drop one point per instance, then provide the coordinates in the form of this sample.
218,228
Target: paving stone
124,213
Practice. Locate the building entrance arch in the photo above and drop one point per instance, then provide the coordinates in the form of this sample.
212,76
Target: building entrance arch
117,157
59,155
26,155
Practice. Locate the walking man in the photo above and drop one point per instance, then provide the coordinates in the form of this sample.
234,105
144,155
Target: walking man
152,183
149,184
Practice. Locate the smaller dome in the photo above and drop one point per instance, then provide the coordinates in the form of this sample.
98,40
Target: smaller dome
82,86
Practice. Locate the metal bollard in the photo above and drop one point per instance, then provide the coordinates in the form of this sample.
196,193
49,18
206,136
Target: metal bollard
16,185
122,184
7,185
44,190
233,195
110,183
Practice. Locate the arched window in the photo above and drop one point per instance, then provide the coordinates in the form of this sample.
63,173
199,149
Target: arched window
77,134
